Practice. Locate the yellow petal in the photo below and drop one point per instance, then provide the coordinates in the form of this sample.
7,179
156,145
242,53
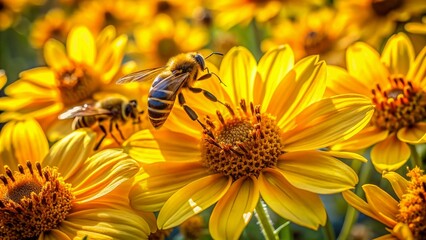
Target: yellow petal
81,45
363,62
345,155
417,72
390,154
235,209
382,203
102,173
301,207
22,141
273,66
402,231
3,78
414,135
316,172
162,180
339,81
193,199
158,146
387,237
69,153
328,122
105,223
109,58
362,140
359,204
55,55
40,76
303,85
238,72
398,54
399,184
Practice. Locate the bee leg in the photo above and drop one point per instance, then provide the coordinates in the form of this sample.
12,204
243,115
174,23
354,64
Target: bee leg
206,94
104,131
208,75
191,113
119,131
111,123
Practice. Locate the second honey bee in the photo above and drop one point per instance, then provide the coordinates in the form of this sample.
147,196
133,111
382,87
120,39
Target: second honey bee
180,72
114,110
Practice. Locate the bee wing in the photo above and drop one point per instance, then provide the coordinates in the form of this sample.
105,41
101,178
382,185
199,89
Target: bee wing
85,110
172,83
141,76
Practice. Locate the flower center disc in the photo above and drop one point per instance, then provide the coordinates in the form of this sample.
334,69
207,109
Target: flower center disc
316,43
32,201
383,7
243,144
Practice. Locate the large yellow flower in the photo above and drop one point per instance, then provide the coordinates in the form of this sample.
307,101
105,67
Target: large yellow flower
396,82
81,73
264,144
65,192
404,217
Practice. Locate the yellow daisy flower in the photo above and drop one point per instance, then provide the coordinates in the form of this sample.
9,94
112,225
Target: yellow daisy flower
80,73
264,144
405,217
66,192
377,19
395,82
10,11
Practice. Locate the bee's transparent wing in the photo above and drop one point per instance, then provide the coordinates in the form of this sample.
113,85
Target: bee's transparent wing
85,110
141,76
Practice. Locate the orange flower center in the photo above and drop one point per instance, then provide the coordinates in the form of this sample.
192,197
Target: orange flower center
316,43
383,7
32,201
243,144
76,84
402,105
412,209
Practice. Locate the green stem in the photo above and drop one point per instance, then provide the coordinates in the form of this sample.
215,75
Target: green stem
257,38
351,214
265,222
415,157
328,230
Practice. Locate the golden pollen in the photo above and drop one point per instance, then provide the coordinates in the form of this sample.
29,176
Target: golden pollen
76,84
383,7
32,201
316,43
402,105
412,210
243,144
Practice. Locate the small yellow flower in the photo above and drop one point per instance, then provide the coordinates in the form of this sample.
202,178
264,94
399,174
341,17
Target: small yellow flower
396,84
405,218
66,192
264,144
10,11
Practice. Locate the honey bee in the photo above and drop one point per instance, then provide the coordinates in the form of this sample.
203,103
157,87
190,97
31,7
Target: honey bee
180,72
115,110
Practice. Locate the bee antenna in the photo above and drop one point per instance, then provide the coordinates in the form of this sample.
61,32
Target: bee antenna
220,80
214,53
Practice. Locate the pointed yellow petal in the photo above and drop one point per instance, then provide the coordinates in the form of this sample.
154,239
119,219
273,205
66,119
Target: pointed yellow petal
162,181
40,76
55,55
109,58
390,154
328,122
382,203
398,54
414,135
301,207
102,173
81,46
363,62
234,210
272,67
303,85
339,81
193,199
417,72
105,223
69,153
316,172
345,155
3,78
362,140
359,204
238,72
402,231
399,184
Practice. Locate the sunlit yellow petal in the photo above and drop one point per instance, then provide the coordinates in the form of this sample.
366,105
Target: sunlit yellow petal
365,138
272,67
316,172
328,122
359,204
399,184
238,72
101,174
345,155
382,203
81,51
390,154
55,55
398,54
3,79
301,207
109,58
234,211
417,72
192,199
402,231
35,74
303,85
339,81
387,237
150,194
363,62
69,153
415,134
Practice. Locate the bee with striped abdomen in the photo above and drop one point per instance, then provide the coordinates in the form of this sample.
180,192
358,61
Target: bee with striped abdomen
180,72
115,110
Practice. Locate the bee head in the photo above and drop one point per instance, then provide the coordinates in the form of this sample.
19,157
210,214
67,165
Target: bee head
131,109
200,60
